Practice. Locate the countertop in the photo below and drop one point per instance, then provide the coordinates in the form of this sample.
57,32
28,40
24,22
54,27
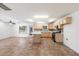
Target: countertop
36,32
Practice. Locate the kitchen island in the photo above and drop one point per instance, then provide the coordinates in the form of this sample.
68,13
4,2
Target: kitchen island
36,37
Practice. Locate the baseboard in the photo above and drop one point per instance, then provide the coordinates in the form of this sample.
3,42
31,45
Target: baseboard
71,48
5,37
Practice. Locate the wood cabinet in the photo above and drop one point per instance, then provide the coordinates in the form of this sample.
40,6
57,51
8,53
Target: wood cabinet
50,26
59,37
46,35
67,20
38,26
60,25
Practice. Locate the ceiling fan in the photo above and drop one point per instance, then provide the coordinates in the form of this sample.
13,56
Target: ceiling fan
11,22
4,7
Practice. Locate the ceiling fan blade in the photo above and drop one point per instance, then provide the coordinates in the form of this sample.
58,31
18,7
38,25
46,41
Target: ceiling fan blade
4,7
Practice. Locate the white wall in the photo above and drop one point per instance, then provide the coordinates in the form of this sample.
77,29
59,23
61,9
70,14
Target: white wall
6,30
71,32
9,30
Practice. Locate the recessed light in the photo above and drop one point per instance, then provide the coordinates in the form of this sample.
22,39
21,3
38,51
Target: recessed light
40,16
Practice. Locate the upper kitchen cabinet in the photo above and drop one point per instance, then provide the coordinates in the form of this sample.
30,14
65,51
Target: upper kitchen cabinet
38,26
60,24
50,26
67,20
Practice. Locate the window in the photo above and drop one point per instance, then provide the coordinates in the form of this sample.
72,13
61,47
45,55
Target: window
23,29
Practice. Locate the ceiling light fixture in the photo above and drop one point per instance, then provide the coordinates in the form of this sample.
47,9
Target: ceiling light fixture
40,22
40,16
30,20
51,20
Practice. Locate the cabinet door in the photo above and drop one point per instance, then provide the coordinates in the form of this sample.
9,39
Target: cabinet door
38,26
59,37
67,20
50,26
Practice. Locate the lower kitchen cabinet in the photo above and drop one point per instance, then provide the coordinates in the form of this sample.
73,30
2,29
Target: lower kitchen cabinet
46,35
36,38
59,37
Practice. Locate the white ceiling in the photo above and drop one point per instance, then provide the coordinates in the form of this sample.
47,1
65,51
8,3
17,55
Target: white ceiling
24,11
